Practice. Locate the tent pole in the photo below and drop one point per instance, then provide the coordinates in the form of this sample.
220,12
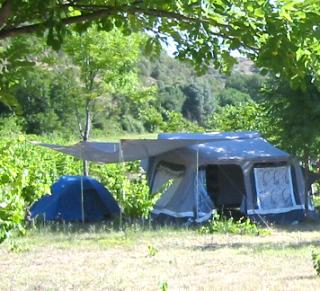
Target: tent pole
82,201
121,160
81,189
196,212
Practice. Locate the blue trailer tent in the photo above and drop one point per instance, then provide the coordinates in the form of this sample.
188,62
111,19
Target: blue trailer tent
76,198
207,171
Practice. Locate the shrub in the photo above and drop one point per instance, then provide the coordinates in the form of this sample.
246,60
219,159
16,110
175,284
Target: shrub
26,173
175,122
129,185
316,260
244,226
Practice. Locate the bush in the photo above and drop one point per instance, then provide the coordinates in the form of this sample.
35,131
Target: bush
175,122
130,124
129,186
151,118
26,173
316,260
10,126
244,226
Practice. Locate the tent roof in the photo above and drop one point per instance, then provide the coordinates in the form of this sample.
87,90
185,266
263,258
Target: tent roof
241,146
212,136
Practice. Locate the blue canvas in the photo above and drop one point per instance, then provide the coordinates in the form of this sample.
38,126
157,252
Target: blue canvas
64,204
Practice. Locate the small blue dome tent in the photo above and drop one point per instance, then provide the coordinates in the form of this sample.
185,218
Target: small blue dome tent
65,202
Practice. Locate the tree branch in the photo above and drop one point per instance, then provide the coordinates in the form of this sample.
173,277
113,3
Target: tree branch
98,12
70,20
101,12
147,11
5,12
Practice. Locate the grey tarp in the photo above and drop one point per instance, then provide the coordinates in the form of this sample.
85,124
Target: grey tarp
138,149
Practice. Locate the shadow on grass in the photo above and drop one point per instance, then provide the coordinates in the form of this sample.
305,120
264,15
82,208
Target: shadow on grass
259,246
301,277
134,224
101,231
308,226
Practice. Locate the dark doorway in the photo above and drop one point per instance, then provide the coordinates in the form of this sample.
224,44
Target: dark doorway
94,208
225,185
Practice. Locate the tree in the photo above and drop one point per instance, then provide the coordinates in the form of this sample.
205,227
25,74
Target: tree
231,96
296,114
249,116
16,58
278,35
199,103
105,66
250,84
172,98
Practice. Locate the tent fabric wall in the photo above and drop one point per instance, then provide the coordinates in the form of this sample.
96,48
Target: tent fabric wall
179,201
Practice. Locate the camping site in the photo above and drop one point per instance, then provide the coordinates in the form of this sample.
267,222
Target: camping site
159,145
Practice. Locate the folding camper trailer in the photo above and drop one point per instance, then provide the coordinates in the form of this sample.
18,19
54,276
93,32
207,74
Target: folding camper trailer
239,170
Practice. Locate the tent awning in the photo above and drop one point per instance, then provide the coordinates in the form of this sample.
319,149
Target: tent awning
125,150
135,149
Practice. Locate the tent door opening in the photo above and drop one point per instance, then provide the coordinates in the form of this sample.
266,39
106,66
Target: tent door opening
94,209
225,185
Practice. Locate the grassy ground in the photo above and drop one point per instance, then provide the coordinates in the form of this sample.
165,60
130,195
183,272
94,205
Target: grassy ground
99,258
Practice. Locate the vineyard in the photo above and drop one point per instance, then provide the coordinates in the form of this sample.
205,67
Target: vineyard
28,171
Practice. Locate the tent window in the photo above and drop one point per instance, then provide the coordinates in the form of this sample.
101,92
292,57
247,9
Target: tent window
274,187
166,172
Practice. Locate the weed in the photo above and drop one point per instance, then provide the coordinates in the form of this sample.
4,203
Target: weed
315,254
243,226
152,251
18,247
164,286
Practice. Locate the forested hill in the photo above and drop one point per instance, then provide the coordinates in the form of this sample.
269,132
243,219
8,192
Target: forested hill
196,96
140,96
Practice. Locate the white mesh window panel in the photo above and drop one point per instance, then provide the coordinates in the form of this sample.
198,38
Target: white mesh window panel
274,188
163,175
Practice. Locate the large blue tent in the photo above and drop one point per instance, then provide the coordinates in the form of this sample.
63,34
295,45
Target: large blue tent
76,198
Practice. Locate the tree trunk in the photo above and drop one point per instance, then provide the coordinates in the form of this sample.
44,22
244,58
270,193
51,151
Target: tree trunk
86,135
85,168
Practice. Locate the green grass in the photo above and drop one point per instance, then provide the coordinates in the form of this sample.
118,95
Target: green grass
97,256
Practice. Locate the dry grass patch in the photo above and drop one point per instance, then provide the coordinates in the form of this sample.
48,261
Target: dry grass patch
149,260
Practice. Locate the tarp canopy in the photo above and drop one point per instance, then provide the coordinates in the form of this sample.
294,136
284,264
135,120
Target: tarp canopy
139,149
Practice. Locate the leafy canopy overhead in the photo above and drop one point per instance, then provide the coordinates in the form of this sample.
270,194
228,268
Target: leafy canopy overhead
278,34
